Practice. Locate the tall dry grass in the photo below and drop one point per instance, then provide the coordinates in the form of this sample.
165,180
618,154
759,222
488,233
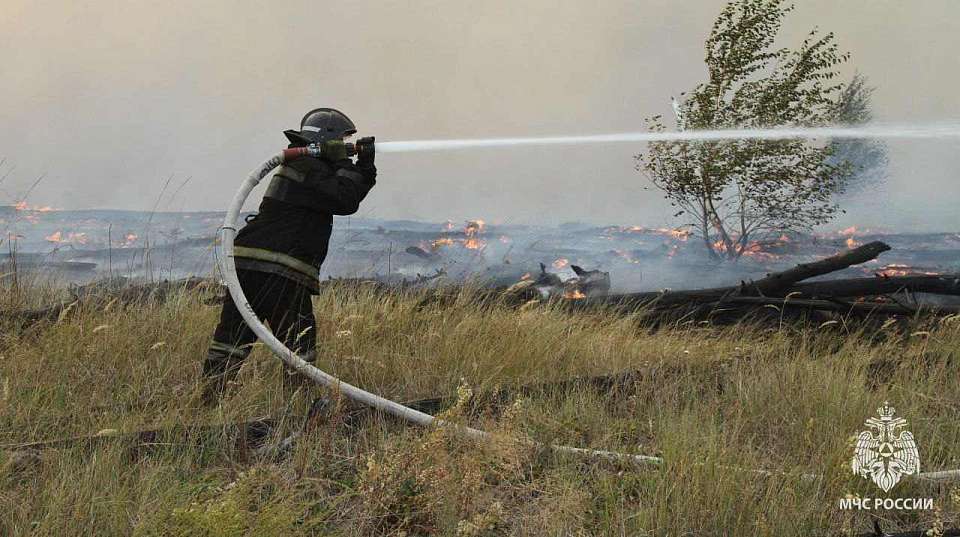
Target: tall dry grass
709,400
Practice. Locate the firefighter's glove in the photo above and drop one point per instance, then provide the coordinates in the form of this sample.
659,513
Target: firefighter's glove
366,151
333,150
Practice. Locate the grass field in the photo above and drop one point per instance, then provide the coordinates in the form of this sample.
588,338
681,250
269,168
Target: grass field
714,402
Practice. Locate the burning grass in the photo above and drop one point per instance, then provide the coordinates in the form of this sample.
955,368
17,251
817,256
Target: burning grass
706,399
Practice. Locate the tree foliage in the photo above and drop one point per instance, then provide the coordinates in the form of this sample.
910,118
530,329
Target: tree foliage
738,191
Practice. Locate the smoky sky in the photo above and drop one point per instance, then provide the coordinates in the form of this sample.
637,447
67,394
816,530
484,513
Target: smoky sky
110,99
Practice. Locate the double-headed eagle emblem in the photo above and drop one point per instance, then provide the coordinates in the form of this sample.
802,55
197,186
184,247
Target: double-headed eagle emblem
885,457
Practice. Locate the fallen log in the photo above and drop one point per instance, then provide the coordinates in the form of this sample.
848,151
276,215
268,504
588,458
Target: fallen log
779,281
788,282
253,432
945,284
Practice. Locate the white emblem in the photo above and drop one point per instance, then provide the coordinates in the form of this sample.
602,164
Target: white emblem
885,458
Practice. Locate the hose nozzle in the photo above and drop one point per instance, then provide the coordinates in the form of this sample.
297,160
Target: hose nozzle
333,149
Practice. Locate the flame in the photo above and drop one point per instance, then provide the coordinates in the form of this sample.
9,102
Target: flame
896,269
753,249
676,233
436,244
526,276
70,238
473,230
22,206
679,234
849,233
574,294
560,263
129,239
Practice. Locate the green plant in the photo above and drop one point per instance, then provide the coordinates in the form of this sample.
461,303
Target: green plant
737,191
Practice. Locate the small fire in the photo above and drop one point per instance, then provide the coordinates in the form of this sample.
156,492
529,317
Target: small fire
561,263
676,234
849,233
526,276
436,244
473,230
753,249
22,206
574,294
129,239
70,238
895,269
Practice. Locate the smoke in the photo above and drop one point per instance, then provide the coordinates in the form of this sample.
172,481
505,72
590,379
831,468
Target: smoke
109,99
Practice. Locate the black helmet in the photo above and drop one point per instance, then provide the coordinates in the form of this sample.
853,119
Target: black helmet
320,125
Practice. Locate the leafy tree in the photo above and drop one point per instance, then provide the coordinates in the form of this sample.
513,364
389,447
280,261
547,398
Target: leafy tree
738,191
867,158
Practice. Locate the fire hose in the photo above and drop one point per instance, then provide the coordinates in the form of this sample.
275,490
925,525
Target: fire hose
228,270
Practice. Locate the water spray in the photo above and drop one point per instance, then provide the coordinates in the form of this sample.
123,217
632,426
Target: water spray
228,233
912,131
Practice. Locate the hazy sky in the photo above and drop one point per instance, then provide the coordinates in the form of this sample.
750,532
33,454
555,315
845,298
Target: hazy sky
110,98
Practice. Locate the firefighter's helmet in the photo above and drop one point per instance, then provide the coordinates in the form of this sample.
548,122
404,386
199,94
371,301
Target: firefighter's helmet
320,125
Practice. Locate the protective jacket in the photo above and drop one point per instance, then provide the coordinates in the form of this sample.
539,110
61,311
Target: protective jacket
290,234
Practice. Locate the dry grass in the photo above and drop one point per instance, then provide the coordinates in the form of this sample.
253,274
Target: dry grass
710,399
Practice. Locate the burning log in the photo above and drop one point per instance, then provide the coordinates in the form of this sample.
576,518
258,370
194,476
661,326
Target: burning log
548,284
588,282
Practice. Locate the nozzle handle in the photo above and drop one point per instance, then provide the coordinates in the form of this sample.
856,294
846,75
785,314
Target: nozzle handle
315,150
292,153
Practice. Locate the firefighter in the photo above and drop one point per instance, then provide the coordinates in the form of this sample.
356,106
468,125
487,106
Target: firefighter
279,252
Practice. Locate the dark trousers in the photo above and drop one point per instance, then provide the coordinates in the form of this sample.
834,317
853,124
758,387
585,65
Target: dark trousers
281,303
